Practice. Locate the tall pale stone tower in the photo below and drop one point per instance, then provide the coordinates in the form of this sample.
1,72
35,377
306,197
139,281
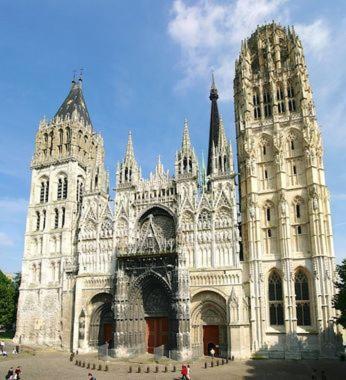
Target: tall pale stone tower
286,226
67,163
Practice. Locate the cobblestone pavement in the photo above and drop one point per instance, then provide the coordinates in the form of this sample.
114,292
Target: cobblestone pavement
56,365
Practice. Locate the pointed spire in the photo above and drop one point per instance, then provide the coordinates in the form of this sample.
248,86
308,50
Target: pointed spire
130,154
214,129
213,90
159,166
74,104
186,143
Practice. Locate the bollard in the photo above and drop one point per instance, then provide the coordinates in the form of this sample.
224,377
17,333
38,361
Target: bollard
83,364
314,374
226,360
166,369
212,364
222,362
106,368
99,368
88,365
139,369
217,362
174,369
323,375
130,369
205,365
157,369
232,358
76,362
148,369
80,363
94,366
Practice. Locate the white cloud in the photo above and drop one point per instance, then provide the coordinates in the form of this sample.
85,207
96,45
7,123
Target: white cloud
315,37
13,205
209,34
5,240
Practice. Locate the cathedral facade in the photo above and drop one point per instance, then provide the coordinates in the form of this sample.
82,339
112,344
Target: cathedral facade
178,264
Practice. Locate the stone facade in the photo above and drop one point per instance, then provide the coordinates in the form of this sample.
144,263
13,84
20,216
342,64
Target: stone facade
170,265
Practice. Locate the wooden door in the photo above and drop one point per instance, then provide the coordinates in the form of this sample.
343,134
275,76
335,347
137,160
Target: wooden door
211,339
107,332
157,333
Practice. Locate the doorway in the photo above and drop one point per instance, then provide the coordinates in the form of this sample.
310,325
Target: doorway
211,339
108,332
156,332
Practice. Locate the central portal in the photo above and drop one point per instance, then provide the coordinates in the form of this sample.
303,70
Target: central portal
156,333
211,339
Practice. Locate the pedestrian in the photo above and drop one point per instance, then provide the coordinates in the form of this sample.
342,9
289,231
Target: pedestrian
10,374
91,377
188,376
2,346
4,354
18,372
212,352
183,372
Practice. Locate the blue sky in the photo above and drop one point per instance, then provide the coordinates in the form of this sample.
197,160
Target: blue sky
147,66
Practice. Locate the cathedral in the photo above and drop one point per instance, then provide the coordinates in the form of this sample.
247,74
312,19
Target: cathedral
236,260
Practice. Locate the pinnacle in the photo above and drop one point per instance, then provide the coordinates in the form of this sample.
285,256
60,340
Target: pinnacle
129,148
186,143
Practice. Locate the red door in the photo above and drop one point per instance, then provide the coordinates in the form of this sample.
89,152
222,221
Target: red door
107,332
211,339
157,333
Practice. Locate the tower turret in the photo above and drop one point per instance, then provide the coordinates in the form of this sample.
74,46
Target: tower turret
128,171
220,151
186,165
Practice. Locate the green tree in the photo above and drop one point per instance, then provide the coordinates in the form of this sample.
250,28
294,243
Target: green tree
7,301
340,298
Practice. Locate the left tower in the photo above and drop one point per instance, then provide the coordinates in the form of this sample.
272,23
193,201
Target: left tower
65,158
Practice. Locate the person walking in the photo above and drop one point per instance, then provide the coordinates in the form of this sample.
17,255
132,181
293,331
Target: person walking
2,346
10,374
188,375
183,372
18,372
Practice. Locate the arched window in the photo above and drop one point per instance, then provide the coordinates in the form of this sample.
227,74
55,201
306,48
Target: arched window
61,138
62,187
44,219
63,217
268,213
38,220
68,139
64,191
301,286
291,99
256,104
267,103
56,218
44,191
280,98
59,190
276,309
298,210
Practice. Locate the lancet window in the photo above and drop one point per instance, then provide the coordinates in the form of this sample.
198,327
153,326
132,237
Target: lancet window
256,104
276,309
280,98
301,286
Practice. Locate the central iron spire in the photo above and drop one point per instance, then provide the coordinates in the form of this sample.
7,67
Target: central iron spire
214,124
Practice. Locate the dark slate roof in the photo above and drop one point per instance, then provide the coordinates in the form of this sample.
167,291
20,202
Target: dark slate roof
75,101
214,130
